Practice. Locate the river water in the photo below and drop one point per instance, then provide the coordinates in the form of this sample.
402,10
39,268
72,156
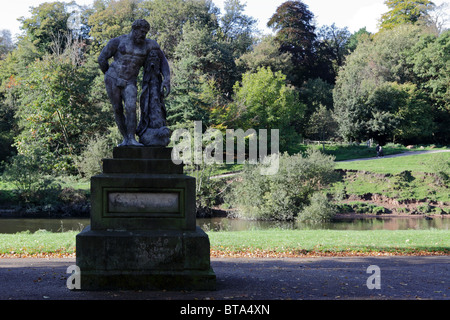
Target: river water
10,225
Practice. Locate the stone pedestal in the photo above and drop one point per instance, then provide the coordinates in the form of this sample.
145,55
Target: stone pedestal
143,233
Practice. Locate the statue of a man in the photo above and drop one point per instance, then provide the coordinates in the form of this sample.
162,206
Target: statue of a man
130,52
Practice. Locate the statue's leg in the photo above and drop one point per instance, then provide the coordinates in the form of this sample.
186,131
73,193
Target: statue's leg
115,96
130,98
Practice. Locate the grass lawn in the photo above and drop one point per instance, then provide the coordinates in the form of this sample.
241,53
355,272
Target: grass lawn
270,242
414,163
39,242
389,177
332,241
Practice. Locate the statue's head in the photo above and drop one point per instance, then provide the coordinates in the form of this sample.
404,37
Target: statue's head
139,30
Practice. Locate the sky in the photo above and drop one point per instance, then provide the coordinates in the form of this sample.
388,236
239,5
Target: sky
353,14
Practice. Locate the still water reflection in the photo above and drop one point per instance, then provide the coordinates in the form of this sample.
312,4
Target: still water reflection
419,223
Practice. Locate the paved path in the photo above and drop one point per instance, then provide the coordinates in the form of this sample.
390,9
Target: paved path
337,278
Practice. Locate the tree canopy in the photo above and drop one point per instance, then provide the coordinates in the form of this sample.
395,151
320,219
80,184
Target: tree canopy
406,11
308,81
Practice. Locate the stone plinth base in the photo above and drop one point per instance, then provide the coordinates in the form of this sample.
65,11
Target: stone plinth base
146,260
143,233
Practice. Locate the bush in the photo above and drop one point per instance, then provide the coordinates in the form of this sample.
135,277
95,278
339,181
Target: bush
361,207
320,209
378,210
28,173
281,196
344,208
90,161
441,168
424,208
208,191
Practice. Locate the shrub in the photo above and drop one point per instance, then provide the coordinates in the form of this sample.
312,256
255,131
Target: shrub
361,207
403,210
208,191
344,208
320,209
28,173
378,210
441,168
424,208
282,196
90,160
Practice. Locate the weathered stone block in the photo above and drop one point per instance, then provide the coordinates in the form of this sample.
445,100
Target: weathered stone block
144,260
142,202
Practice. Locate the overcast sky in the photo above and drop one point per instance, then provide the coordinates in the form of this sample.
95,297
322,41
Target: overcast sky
353,14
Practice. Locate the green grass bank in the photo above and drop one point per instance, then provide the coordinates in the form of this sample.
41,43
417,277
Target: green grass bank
272,242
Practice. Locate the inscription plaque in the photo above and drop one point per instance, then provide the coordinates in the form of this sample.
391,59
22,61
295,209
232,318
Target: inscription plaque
143,202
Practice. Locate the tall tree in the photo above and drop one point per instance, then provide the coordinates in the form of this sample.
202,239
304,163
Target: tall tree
48,22
430,61
331,49
167,18
266,53
263,100
6,43
237,28
111,19
198,58
54,111
295,33
357,37
376,93
335,40
405,11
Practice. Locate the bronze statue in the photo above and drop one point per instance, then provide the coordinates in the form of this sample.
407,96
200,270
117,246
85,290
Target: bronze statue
131,52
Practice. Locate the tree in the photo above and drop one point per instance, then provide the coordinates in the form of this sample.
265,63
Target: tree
266,53
111,19
430,61
6,44
369,89
48,22
167,18
263,100
357,37
295,33
406,11
415,115
53,111
331,47
314,94
237,28
439,17
398,111
321,125
199,58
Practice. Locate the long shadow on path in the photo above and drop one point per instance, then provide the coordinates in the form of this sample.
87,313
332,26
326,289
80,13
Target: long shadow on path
401,277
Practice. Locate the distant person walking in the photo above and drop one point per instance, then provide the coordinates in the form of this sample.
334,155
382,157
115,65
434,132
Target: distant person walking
379,151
